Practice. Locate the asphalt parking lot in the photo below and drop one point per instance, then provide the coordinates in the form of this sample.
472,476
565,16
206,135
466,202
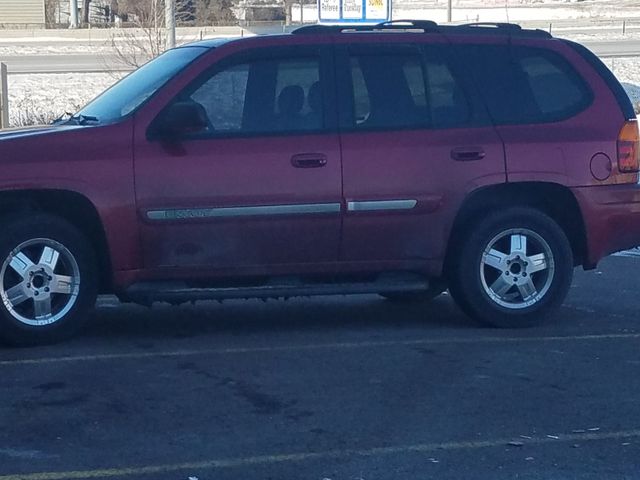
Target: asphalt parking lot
333,388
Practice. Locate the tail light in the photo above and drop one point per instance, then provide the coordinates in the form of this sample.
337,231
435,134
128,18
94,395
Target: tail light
629,148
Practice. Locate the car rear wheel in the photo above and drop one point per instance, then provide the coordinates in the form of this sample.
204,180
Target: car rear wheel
48,280
513,269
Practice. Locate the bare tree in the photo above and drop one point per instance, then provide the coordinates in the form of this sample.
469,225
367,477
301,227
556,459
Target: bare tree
211,12
86,14
50,8
147,37
288,11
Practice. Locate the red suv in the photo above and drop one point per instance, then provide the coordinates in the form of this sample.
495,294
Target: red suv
400,159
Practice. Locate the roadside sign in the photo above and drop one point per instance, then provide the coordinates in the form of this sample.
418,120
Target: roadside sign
354,11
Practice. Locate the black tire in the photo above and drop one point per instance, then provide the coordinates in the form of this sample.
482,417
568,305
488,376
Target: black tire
27,235
477,286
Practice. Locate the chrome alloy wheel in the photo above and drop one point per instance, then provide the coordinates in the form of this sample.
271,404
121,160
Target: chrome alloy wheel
40,282
517,268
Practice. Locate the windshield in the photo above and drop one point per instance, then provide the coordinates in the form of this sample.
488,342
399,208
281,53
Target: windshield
130,92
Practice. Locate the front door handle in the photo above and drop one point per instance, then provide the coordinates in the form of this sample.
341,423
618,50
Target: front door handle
309,160
468,154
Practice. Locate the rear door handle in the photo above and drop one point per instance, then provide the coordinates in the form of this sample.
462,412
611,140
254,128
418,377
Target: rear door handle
468,154
309,160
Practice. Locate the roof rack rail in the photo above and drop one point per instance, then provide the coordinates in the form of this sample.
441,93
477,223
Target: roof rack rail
424,25
427,26
316,28
420,24
495,28
500,25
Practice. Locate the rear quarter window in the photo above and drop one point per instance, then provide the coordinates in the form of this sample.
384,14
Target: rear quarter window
557,90
524,85
609,78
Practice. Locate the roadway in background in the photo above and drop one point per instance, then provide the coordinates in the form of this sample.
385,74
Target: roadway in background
90,62
104,61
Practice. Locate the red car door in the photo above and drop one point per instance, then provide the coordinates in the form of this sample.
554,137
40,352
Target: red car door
261,186
414,143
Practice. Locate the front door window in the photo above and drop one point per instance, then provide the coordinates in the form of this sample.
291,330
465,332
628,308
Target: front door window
262,97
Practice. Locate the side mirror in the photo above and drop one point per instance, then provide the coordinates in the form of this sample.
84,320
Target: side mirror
179,120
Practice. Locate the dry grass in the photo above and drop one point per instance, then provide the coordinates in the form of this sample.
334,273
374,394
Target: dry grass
27,113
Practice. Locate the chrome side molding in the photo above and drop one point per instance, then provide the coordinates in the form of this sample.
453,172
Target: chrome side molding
269,210
259,210
375,205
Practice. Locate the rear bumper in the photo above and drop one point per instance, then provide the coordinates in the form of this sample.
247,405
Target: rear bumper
612,219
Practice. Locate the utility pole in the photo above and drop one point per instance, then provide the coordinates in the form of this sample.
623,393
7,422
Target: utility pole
73,13
170,22
449,11
4,97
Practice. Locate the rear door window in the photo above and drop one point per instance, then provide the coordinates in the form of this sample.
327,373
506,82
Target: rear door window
388,91
447,101
403,89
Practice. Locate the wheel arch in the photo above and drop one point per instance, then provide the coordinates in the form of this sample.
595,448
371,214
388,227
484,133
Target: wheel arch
73,207
555,200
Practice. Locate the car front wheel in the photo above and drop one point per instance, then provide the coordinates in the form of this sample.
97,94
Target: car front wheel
47,280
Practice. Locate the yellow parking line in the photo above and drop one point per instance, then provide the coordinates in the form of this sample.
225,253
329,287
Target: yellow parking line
194,467
318,346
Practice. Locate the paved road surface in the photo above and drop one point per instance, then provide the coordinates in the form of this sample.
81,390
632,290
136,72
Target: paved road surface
105,62
609,49
72,63
336,388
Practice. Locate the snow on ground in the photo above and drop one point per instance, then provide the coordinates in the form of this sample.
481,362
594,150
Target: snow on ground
511,14
627,70
40,98
53,49
633,91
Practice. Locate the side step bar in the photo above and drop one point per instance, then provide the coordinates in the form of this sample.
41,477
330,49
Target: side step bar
177,292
